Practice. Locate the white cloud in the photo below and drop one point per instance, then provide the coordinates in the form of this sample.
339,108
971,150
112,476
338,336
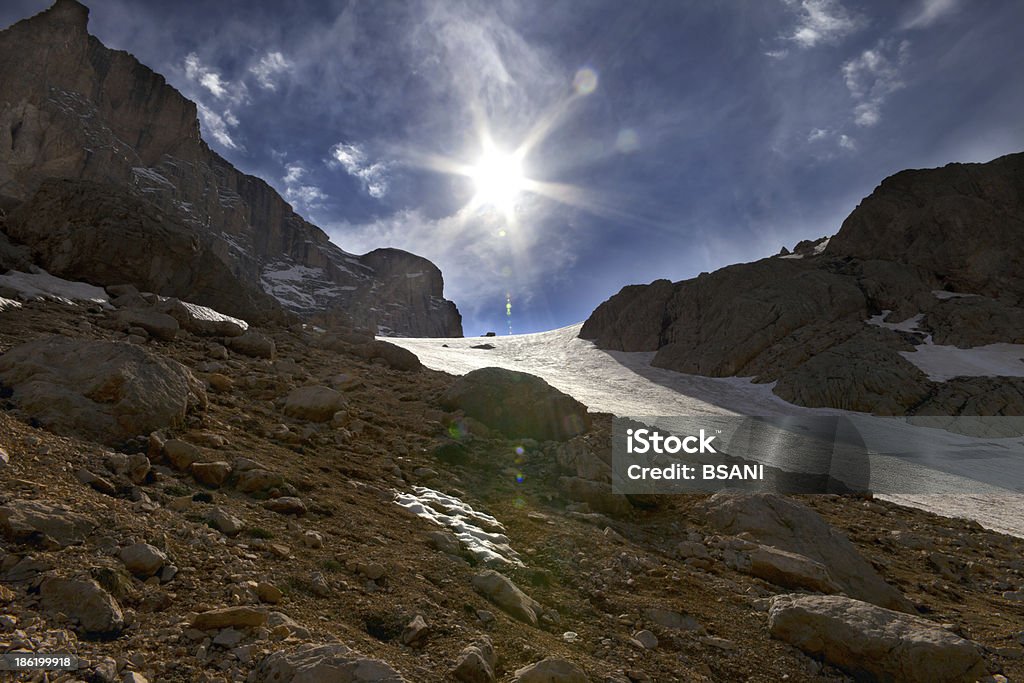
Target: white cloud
303,196
777,54
930,11
353,159
817,134
217,125
820,136
873,76
271,65
234,93
823,21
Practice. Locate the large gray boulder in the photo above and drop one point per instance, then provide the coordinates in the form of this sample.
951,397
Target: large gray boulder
517,404
96,611
784,523
317,404
104,391
872,643
330,663
31,520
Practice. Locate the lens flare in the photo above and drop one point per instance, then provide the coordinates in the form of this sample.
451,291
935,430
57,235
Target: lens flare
585,81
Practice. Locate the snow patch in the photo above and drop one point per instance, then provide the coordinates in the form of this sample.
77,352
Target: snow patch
8,303
909,325
464,522
942,363
943,295
40,285
792,256
624,383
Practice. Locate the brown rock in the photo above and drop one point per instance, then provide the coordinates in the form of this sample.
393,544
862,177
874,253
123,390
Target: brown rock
84,600
233,617
212,474
874,643
105,391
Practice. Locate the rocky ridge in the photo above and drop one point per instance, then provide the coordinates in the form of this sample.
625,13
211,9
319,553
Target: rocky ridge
930,257
127,146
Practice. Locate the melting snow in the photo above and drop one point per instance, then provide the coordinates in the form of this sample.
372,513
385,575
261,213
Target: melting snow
625,384
908,325
41,285
943,363
465,523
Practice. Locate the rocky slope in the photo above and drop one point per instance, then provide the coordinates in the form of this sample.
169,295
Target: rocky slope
930,257
186,499
71,108
296,505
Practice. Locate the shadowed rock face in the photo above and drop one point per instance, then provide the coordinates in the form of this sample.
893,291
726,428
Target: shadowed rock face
72,108
799,320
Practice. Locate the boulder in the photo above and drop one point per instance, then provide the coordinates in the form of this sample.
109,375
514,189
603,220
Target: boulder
157,325
201,320
395,356
254,344
225,522
786,569
476,663
551,670
317,404
872,643
329,663
785,524
27,520
83,600
251,481
212,474
517,404
181,454
108,392
142,559
502,592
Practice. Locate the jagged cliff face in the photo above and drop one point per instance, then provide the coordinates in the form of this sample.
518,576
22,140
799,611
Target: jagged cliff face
72,108
930,257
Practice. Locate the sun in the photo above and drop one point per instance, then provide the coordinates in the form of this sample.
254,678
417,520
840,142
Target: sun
498,178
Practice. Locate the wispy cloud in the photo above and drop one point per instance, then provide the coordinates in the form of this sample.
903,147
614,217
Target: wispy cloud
820,136
210,79
822,21
372,175
930,11
268,68
303,195
873,76
217,125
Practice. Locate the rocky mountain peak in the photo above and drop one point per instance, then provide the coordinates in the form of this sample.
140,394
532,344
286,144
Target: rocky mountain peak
67,14
71,108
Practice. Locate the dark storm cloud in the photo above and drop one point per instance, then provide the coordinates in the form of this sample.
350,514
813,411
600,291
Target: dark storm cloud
716,132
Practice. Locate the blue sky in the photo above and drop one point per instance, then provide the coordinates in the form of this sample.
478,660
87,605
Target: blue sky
669,137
